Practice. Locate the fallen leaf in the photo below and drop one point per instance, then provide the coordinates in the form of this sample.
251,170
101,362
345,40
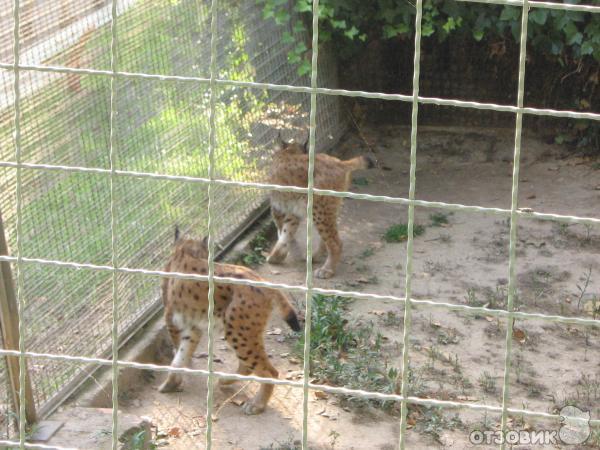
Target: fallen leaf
377,312
519,335
294,360
531,197
436,324
274,331
321,395
489,318
175,432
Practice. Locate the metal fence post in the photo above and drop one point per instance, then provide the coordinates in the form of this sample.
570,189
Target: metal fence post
9,319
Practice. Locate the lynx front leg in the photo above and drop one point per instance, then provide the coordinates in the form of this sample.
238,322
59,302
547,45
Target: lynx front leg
286,239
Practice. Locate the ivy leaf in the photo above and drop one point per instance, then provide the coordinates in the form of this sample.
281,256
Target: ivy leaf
363,37
287,38
300,48
539,16
389,31
298,27
303,6
427,29
587,48
556,47
478,35
339,24
351,33
293,57
282,17
304,68
572,33
510,13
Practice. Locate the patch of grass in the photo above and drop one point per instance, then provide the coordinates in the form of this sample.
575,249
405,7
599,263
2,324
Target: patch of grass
399,232
438,219
289,444
349,353
367,252
392,319
360,181
487,383
434,421
257,246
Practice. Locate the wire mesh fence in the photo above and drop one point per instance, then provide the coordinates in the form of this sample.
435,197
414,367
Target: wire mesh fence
232,113
65,122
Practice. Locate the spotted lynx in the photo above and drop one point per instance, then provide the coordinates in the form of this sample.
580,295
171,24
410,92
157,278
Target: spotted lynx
244,311
290,168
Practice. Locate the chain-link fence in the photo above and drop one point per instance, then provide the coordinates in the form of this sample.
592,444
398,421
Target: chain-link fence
86,216
162,128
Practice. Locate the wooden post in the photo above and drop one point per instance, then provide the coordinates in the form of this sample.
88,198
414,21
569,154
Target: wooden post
9,321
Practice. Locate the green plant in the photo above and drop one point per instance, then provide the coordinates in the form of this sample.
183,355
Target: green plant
392,319
350,354
257,246
487,383
438,219
399,232
571,39
360,181
434,421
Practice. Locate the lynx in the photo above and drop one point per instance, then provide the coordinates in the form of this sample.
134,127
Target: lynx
290,168
244,311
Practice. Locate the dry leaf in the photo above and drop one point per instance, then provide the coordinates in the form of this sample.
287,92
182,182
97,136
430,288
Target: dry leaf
436,324
320,395
377,312
274,331
175,432
519,335
489,318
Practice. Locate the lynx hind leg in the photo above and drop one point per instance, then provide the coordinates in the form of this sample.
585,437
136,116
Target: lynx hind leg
285,239
189,338
245,336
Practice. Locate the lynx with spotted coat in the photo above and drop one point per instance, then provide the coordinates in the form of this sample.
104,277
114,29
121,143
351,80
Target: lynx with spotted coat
290,168
244,311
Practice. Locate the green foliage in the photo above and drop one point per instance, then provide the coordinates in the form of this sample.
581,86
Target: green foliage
348,353
563,35
438,219
571,39
399,232
257,246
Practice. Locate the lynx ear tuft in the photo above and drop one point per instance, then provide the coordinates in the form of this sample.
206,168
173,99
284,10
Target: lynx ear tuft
177,233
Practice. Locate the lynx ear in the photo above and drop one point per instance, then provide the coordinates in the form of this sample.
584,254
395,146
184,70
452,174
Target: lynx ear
176,233
279,142
305,146
205,242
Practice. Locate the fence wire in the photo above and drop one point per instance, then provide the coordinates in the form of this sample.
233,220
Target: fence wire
161,127
75,173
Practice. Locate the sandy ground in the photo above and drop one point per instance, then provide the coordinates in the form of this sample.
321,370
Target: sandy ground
454,355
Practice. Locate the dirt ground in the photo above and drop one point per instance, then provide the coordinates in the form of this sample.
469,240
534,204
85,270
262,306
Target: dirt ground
453,355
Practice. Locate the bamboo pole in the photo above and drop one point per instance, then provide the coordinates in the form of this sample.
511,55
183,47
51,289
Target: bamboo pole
9,321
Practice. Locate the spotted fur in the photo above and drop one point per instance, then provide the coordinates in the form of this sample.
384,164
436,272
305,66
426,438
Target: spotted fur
290,168
244,311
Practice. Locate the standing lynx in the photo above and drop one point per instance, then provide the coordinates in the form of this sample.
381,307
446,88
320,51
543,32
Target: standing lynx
290,168
244,311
